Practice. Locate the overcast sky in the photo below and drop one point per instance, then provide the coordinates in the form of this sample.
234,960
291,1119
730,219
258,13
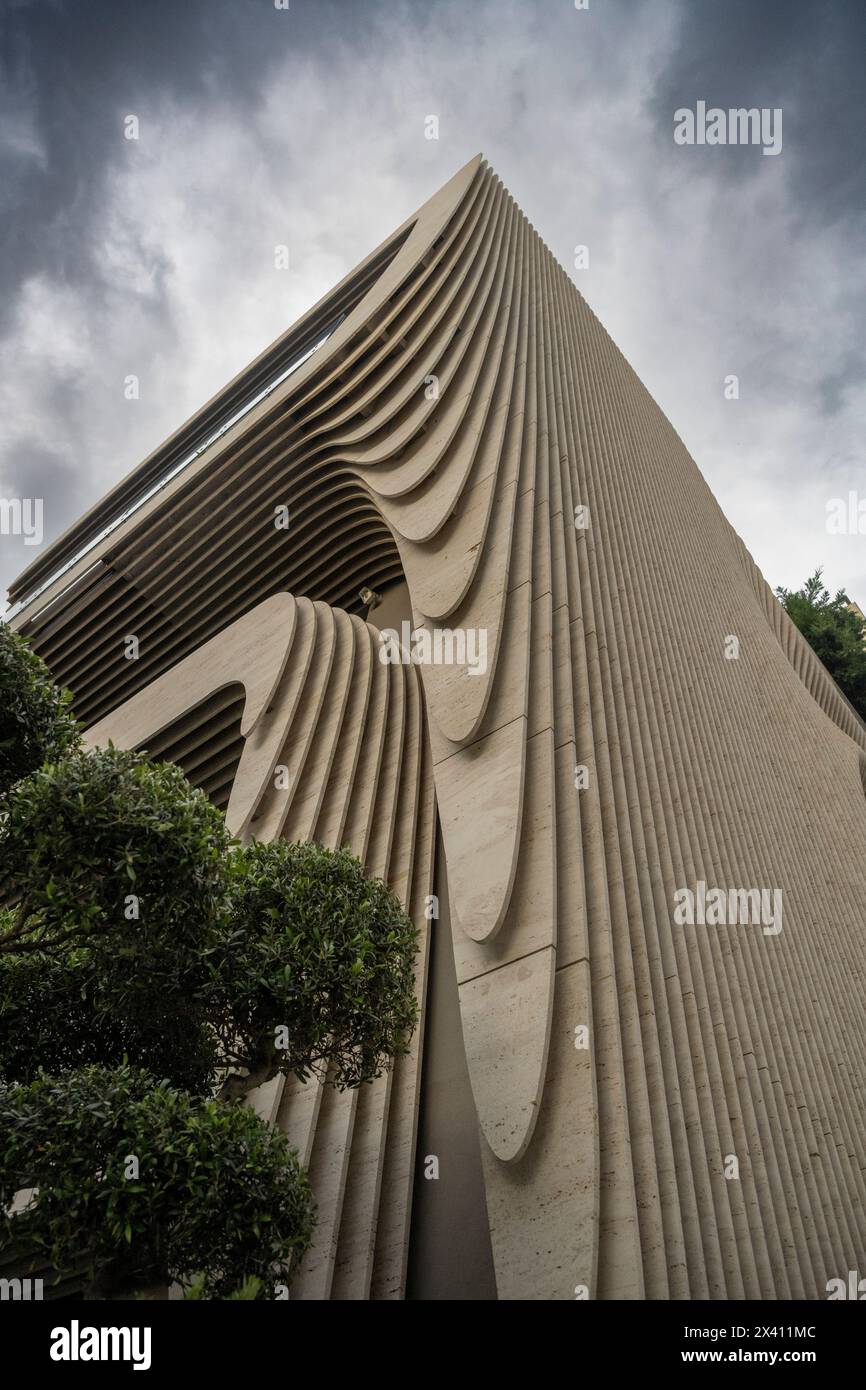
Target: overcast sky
306,127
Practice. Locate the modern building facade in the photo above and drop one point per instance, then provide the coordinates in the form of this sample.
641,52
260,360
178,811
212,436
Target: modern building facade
618,793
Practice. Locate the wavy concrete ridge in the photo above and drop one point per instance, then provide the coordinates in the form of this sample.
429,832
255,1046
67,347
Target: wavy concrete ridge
467,410
339,757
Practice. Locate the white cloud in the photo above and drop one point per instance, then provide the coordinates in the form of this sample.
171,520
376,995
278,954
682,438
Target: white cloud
694,276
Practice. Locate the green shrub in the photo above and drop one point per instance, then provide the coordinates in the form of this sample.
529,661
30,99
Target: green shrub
118,869
57,1013
321,953
834,632
133,927
215,1198
105,843
36,724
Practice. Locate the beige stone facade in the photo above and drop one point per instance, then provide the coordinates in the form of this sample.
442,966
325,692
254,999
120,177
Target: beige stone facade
650,794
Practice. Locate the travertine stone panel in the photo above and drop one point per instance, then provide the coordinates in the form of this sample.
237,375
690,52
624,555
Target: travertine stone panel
468,428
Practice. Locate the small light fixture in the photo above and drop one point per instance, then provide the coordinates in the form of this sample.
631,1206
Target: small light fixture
369,597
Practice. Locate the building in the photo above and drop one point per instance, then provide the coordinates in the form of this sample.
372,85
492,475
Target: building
638,797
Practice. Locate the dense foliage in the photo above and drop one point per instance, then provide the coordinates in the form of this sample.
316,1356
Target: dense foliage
140,1184
319,970
834,631
119,871
59,1013
108,842
136,933
36,724
133,930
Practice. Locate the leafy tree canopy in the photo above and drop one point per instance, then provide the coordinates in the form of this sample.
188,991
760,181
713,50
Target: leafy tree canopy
62,1012
36,724
835,633
137,1184
133,926
107,843
319,968
142,930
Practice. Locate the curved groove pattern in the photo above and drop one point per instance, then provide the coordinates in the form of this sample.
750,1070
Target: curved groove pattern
670,1111
359,1145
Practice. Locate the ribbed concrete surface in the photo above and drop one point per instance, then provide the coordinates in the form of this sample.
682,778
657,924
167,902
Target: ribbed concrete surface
605,1166
335,751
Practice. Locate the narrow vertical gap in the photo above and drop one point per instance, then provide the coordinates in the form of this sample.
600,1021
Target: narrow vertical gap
450,1254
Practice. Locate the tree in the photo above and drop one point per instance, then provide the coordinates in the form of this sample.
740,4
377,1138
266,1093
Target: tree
119,870
37,723
835,633
318,974
58,1014
104,838
135,928
140,929
139,1184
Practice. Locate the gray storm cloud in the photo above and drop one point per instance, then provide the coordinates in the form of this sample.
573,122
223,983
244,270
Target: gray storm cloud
306,128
